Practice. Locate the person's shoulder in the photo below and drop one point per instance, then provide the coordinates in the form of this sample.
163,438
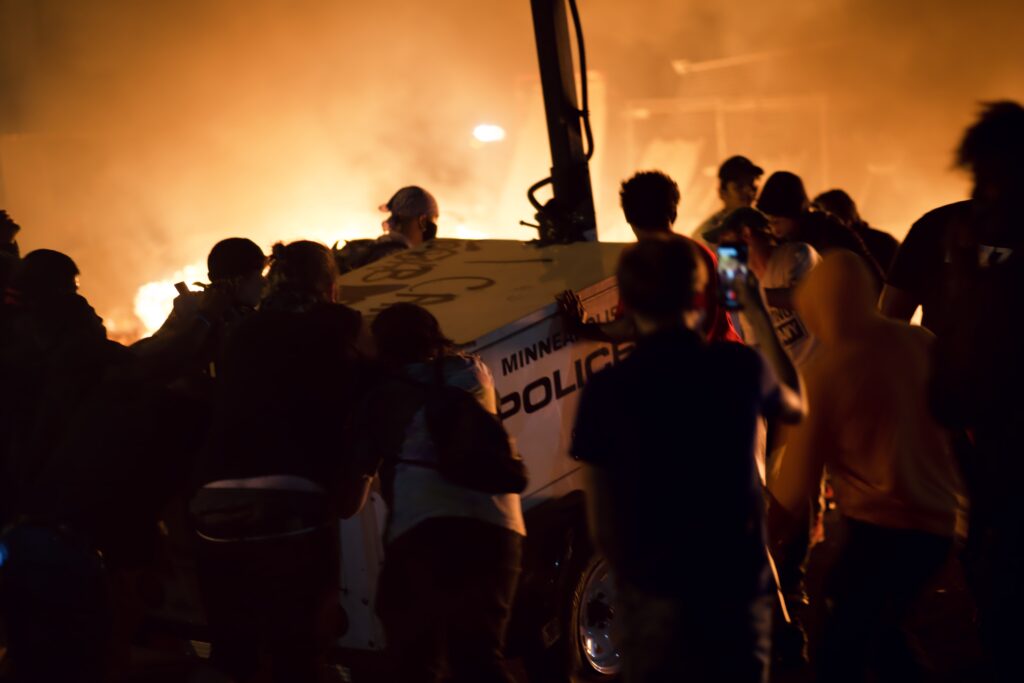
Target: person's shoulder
361,252
795,256
709,223
703,250
822,221
797,251
340,312
920,335
468,364
465,371
939,218
881,236
733,353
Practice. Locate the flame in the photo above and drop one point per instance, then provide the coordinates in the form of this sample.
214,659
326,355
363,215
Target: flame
154,300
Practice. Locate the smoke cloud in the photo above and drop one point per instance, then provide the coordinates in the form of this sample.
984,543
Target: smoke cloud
133,135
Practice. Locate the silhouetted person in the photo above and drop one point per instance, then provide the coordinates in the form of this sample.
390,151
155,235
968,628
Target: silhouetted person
189,342
697,610
841,206
96,450
273,482
890,463
780,268
411,223
9,251
978,368
920,274
650,201
52,353
81,562
452,553
786,204
737,188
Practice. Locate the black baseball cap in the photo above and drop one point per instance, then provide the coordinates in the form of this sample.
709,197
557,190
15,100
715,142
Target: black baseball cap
738,168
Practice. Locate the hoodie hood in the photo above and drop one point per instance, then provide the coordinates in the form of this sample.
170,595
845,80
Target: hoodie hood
837,297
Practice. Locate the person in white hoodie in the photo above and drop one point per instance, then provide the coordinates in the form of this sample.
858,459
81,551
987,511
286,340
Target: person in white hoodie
452,554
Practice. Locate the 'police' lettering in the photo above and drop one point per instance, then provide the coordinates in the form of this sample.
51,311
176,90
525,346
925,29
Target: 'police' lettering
562,392
513,398
594,355
528,402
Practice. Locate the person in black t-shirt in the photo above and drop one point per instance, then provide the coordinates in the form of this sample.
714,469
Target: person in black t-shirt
978,369
921,271
676,503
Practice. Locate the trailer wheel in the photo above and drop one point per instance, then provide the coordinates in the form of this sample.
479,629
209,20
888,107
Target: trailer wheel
590,636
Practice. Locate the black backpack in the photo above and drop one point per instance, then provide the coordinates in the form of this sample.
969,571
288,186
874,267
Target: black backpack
473,448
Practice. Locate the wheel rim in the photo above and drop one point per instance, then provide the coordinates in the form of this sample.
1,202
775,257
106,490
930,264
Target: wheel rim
596,615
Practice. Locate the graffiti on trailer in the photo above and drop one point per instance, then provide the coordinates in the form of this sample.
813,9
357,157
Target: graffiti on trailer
414,264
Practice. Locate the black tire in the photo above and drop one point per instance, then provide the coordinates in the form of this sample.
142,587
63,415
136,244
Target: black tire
590,609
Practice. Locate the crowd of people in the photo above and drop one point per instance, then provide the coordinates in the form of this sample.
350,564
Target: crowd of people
913,429
272,410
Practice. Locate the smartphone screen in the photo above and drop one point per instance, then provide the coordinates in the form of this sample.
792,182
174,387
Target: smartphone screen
732,269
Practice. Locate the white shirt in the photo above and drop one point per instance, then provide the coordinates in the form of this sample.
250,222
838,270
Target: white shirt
422,493
787,266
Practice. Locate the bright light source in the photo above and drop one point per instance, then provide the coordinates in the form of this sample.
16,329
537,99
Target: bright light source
488,132
154,300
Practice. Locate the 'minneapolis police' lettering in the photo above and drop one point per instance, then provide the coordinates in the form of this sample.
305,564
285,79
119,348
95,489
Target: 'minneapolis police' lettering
528,354
540,392
537,350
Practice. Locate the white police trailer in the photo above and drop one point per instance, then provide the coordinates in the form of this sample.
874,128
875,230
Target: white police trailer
495,298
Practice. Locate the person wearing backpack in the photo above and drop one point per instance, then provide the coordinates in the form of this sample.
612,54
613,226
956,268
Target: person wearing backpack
454,532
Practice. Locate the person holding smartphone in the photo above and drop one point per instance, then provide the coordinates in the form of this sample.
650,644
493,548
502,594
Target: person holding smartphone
745,236
779,268
187,346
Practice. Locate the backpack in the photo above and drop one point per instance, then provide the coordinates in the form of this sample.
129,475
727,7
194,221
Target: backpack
473,448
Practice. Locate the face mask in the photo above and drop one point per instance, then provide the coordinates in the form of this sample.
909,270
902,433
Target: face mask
429,230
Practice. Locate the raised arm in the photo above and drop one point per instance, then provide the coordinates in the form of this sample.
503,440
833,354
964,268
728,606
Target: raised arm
573,315
792,405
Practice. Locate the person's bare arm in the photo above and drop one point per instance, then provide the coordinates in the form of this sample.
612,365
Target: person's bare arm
897,303
799,475
570,307
792,404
